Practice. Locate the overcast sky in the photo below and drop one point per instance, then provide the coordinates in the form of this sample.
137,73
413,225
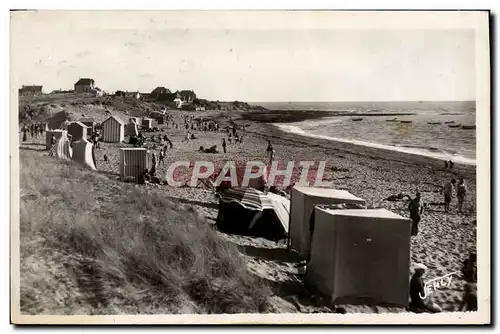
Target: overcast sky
251,64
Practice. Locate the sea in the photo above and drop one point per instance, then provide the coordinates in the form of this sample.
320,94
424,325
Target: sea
432,129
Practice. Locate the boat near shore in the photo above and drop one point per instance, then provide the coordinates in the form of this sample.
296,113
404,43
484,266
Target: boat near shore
357,119
392,120
454,125
433,123
468,127
449,122
406,122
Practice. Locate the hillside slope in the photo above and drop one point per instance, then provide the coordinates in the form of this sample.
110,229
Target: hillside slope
93,245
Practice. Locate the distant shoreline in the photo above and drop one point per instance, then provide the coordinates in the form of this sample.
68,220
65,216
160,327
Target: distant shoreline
264,127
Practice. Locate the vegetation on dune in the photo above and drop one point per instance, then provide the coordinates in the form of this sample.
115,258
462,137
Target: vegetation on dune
91,245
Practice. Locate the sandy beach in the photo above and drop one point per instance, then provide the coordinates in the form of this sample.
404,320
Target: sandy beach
443,241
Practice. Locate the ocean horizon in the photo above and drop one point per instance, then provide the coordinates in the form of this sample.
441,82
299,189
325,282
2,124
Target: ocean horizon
429,128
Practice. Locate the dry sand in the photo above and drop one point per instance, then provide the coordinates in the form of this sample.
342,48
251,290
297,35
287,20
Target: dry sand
443,241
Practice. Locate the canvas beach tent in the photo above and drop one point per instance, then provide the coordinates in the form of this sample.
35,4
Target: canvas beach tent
147,123
77,130
113,130
247,211
303,200
281,206
360,254
133,162
62,149
48,137
82,153
89,123
131,129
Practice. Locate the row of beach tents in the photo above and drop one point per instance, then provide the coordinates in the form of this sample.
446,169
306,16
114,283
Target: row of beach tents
352,252
114,129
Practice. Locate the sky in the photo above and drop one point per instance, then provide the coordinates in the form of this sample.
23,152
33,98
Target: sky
286,62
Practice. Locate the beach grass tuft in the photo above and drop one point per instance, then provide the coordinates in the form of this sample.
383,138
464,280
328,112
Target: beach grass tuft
94,245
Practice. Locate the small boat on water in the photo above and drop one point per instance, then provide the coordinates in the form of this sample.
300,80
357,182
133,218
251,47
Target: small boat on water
454,125
406,122
449,122
392,120
357,119
433,122
468,127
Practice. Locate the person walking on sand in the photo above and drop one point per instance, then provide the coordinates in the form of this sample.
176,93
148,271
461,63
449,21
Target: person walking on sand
448,193
446,165
224,144
461,192
416,210
25,133
269,150
162,158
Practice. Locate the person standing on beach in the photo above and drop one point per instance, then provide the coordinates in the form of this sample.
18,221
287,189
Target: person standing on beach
269,150
461,192
446,165
162,158
25,133
224,144
451,165
448,193
416,210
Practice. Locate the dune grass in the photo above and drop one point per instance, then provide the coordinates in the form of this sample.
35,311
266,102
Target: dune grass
92,245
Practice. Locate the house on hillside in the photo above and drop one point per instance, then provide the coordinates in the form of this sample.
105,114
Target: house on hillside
135,95
85,85
187,95
158,91
30,90
178,102
98,92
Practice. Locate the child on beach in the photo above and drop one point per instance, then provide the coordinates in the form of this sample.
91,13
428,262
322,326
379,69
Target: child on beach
448,193
416,210
461,192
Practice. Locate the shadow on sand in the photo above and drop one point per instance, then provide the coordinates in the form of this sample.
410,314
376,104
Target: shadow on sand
193,202
270,254
33,149
305,300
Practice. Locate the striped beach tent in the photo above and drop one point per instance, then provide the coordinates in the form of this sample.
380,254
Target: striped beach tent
133,162
248,211
249,198
113,130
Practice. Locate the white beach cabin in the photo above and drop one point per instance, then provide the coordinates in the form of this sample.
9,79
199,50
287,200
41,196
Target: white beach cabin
360,254
303,200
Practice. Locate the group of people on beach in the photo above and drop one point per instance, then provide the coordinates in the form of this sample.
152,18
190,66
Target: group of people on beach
34,129
416,207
